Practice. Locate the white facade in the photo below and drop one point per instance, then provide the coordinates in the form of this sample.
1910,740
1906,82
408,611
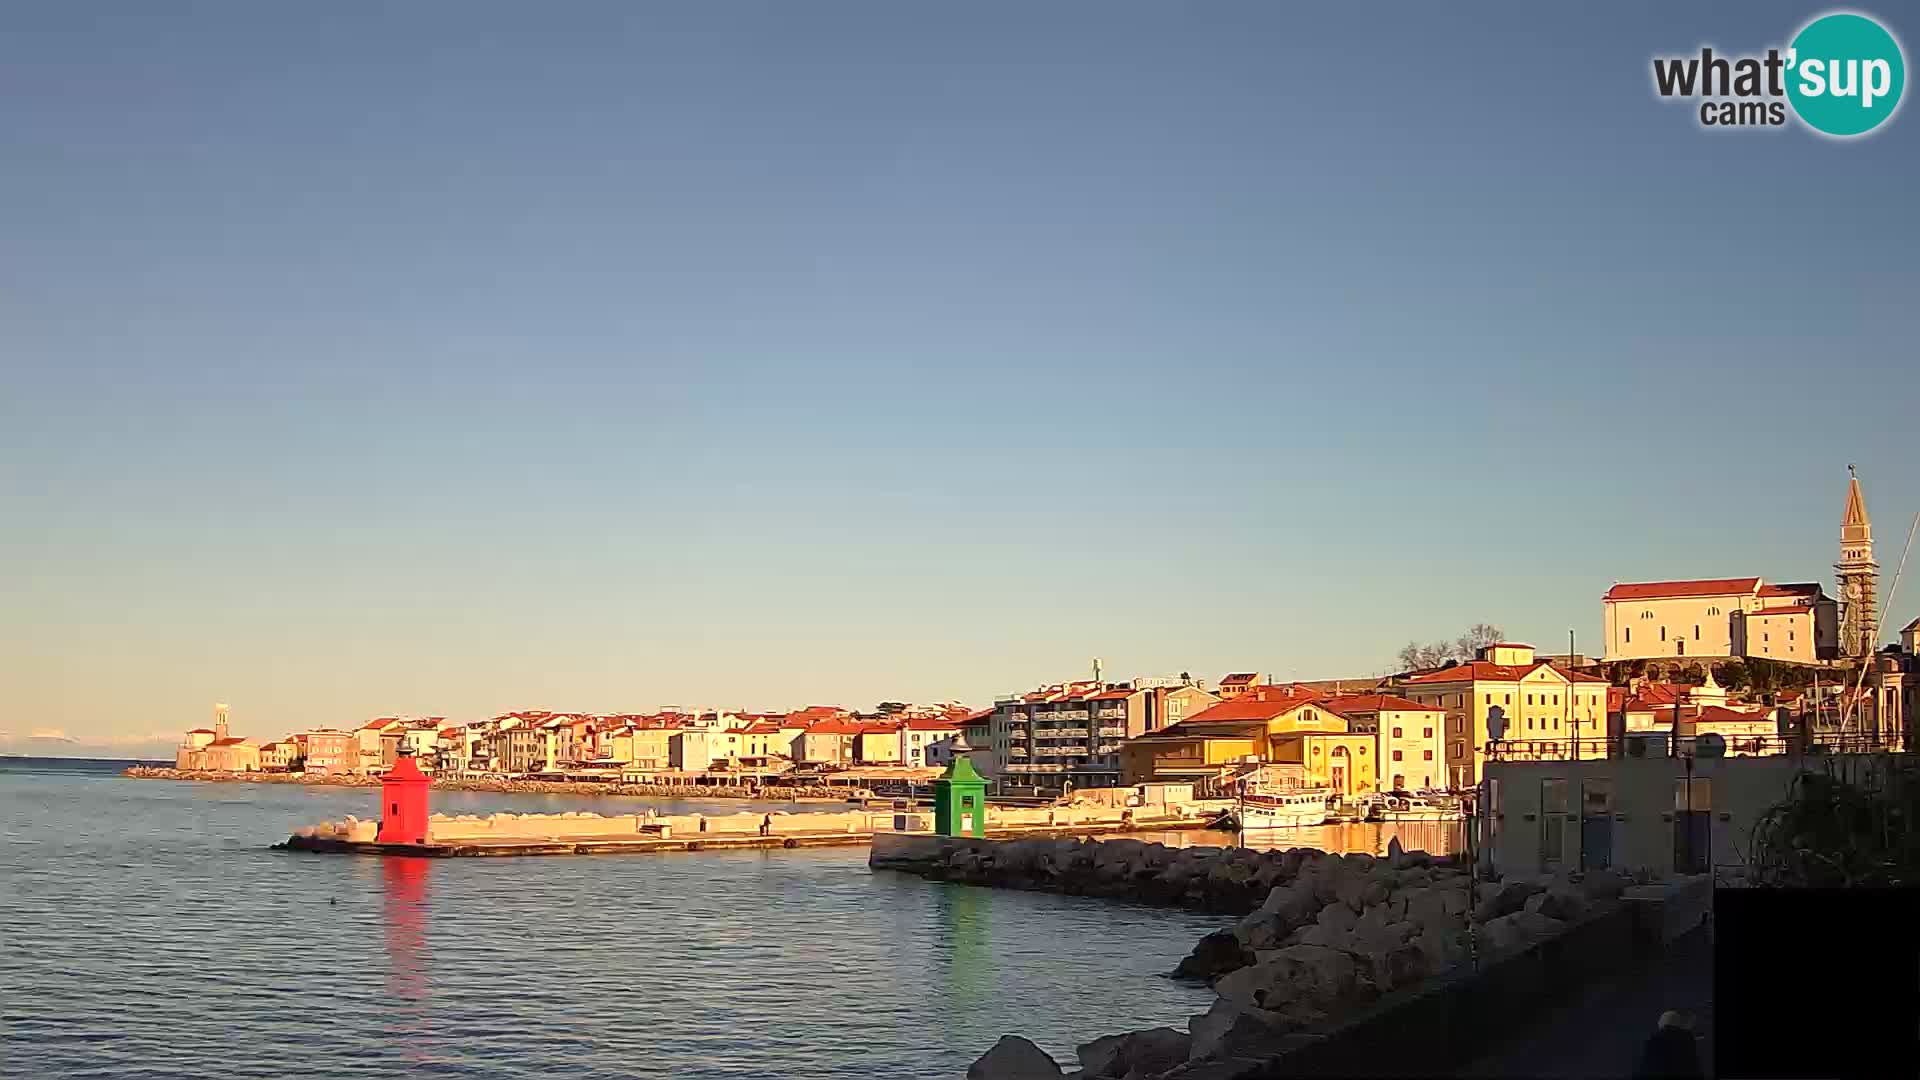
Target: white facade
1722,617
1546,816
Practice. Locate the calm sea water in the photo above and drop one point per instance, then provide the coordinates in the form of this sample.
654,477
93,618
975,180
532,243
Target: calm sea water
149,932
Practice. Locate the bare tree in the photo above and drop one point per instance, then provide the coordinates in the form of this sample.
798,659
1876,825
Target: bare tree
1477,637
1414,656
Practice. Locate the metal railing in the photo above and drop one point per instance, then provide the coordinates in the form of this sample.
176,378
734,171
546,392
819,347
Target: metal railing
1659,744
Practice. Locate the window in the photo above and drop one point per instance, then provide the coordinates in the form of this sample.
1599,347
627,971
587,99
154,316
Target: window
1455,723
1489,700
1646,614
1508,700
1529,723
1713,611
1663,633
1629,633
1396,733
1457,750
1529,699
1556,723
1316,751
1426,733
1428,754
1397,755
1696,631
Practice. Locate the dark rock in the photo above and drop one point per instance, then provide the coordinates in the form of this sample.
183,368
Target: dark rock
1214,955
1229,1030
1146,1053
1014,1058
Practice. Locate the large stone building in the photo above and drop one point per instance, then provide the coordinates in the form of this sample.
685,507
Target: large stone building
1720,617
1548,710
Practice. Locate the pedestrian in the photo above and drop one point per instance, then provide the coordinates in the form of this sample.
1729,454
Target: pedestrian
766,825
1669,1053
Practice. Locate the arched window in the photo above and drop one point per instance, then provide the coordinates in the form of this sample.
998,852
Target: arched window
1646,614
1713,611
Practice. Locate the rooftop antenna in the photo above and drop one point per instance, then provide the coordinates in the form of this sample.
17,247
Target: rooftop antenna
1096,669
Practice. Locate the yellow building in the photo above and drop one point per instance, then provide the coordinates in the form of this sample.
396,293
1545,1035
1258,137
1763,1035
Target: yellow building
1409,738
1266,724
1565,712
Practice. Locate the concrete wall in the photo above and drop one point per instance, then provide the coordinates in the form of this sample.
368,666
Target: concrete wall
1736,791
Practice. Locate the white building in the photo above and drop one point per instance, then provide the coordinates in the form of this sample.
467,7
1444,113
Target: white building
1720,617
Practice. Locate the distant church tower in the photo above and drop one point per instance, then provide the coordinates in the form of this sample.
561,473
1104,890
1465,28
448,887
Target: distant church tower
220,721
1857,575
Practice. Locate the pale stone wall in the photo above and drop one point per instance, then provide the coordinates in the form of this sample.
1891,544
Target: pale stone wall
1677,626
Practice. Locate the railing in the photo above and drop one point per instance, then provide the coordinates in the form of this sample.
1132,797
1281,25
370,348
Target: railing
1016,751
1059,732
1113,732
1658,744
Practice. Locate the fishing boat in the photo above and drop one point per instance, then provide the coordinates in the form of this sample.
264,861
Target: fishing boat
1259,808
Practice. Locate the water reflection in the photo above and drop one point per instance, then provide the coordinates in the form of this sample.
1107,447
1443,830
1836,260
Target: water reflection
963,915
1369,837
406,934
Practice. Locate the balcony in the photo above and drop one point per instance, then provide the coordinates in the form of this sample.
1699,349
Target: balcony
1113,732
1059,733
1058,751
1017,751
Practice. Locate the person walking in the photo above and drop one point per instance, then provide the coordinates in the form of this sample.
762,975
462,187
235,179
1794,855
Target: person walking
1670,1053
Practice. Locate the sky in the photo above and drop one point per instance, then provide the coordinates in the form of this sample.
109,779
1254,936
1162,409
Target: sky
451,358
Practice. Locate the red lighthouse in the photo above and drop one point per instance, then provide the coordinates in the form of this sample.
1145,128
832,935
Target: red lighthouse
403,802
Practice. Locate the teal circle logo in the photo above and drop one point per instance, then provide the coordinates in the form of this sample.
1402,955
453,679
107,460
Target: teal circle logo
1845,73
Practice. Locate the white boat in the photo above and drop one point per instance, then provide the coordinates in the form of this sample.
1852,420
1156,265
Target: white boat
1404,807
1290,809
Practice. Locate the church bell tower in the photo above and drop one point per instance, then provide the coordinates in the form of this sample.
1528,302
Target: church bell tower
1857,575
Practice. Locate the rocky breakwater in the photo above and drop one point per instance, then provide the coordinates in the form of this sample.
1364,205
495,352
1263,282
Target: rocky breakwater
1326,937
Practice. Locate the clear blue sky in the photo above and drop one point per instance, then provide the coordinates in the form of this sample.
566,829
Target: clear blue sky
458,357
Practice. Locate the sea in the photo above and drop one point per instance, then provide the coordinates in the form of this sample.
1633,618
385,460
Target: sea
151,931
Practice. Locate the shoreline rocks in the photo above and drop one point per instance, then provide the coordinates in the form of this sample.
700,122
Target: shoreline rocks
1320,937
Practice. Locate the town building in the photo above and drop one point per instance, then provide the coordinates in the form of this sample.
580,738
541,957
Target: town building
277,756
1266,725
191,753
1410,738
328,752
1233,684
827,742
926,742
1547,710
1720,617
1072,733
231,755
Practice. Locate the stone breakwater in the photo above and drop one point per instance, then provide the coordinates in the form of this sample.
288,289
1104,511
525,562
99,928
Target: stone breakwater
773,793
1320,937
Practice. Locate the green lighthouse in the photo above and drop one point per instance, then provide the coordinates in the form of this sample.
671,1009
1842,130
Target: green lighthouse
960,797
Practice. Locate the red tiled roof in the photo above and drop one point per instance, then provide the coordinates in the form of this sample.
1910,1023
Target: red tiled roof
929,724
1802,610
1509,645
1807,589
227,742
1252,707
879,729
979,715
1487,671
1239,677
1668,590
201,731
1377,703
1112,695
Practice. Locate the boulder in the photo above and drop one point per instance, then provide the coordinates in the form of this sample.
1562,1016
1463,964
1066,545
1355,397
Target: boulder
1229,1030
1510,897
1518,930
1604,884
1215,955
1337,917
1013,1058
1237,1068
1565,903
1398,966
1301,981
1146,1053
